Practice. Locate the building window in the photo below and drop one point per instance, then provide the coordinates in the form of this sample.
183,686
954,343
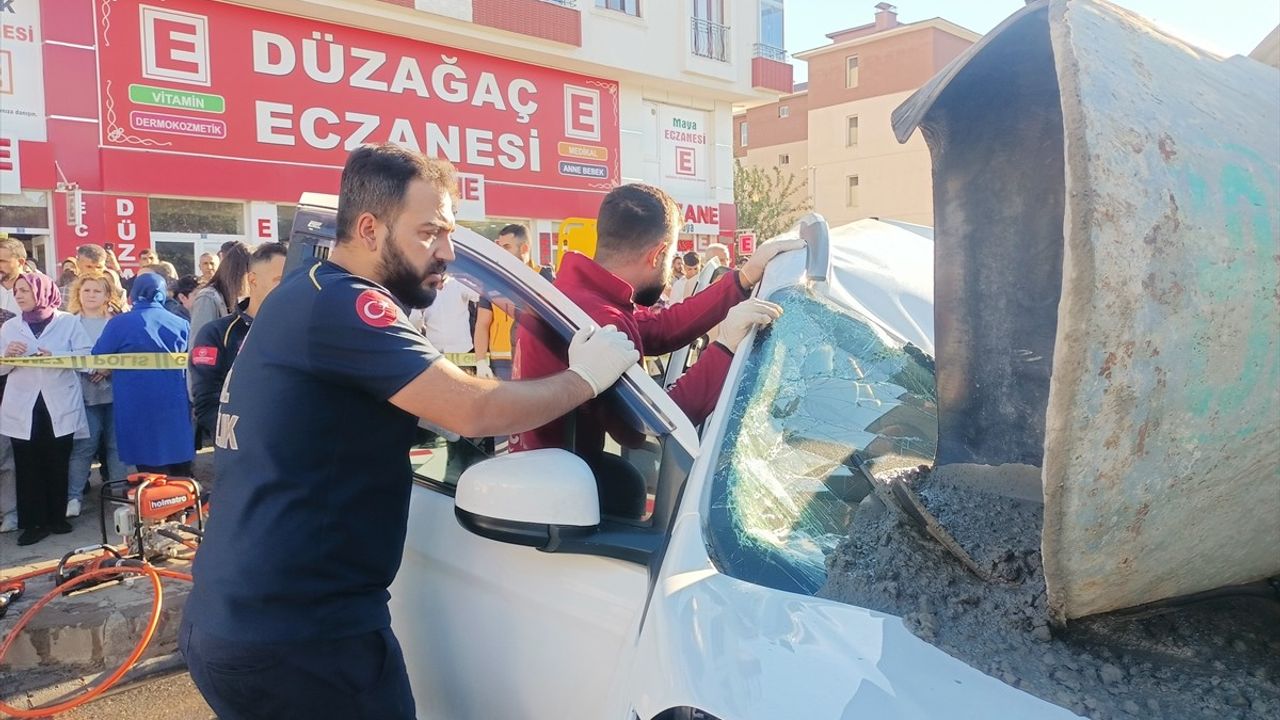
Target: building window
742,134
284,220
784,159
771,24
710,36
851,71
197,216
784,111
851,191
630,7
851,131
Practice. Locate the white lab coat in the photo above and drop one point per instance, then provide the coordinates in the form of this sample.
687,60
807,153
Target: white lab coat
61,388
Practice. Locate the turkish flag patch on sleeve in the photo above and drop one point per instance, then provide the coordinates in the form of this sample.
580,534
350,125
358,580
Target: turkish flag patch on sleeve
376,310
204,355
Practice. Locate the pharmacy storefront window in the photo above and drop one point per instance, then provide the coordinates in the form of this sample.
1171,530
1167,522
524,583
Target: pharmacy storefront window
182,230
25,217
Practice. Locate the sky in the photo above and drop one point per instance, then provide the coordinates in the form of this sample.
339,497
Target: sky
1224,27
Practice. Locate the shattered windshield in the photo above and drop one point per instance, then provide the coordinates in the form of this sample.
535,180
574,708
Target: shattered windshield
825,399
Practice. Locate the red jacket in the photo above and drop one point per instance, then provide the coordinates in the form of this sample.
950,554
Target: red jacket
607,299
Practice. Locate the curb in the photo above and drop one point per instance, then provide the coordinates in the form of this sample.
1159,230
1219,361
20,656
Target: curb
85,635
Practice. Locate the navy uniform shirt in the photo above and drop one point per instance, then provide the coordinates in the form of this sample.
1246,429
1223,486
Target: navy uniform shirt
308,524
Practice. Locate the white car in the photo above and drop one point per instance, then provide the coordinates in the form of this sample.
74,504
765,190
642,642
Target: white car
516,599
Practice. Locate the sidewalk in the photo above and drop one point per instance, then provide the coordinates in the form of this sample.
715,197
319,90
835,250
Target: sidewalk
73,640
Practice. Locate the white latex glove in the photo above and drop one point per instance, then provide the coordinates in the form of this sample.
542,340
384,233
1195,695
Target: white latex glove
754,269
601,355
744,317
483,370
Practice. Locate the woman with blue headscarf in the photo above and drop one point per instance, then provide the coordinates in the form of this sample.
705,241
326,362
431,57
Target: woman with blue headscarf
152,412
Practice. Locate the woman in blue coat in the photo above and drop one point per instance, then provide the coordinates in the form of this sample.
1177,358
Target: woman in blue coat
152,412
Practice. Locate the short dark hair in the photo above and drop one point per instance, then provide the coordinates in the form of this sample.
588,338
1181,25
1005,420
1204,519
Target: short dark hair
634,218
519,231
95,253
691,259
376,177
186,285
268,250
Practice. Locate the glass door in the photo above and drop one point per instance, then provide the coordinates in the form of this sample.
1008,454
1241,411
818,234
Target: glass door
184,249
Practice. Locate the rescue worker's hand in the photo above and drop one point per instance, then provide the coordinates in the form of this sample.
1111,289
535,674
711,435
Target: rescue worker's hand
601,355
15,349
745,316
483,370
751,273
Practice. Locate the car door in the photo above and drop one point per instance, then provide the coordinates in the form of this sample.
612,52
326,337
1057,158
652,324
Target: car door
494,630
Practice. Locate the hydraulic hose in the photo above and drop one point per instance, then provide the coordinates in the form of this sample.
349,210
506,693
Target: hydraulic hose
110,569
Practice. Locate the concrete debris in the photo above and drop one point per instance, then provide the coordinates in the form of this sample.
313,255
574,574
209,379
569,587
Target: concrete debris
1215,659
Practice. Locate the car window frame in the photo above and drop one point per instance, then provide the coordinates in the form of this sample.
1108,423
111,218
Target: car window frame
635,391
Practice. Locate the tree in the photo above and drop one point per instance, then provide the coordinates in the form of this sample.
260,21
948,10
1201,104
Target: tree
768,199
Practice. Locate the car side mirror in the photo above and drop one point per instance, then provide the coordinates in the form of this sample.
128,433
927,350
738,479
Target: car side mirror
536,498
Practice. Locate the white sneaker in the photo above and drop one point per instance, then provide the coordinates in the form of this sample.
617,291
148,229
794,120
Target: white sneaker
73,508
9,523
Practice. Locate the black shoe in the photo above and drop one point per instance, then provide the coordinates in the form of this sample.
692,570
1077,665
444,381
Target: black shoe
62,527
31,536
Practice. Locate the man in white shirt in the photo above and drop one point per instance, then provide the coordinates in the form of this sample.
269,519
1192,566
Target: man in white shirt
13,259
682,287
447,323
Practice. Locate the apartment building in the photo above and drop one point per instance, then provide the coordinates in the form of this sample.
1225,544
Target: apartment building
180,124
834,133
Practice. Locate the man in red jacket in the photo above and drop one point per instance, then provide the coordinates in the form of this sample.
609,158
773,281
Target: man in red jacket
637,229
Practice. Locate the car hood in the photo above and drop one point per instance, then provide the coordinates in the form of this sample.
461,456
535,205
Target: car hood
746,652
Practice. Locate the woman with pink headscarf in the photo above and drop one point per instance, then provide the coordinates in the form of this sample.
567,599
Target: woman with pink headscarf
42,410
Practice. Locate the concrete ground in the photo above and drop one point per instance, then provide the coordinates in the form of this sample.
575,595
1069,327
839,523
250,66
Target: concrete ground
73,640
168,697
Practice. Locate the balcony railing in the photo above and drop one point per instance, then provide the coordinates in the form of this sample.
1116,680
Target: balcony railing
770,52
571,4
710,40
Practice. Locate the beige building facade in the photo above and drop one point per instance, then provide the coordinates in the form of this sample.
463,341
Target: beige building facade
835,133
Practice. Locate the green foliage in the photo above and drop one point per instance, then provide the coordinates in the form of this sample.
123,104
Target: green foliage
769,201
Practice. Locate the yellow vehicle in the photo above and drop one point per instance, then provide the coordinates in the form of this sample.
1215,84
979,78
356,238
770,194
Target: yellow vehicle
578,235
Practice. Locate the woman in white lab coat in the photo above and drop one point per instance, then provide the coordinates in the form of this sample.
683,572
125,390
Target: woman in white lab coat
42,409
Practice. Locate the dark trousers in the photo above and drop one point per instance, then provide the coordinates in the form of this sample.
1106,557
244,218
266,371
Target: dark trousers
41,468
352,678
182,469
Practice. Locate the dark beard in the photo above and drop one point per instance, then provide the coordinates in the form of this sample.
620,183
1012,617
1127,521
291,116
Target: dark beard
648,296
399,277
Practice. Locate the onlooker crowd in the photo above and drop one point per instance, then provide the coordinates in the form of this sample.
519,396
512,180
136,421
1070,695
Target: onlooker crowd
55,423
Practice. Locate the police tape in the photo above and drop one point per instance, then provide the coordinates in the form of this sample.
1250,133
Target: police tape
469,359
161,361
121,361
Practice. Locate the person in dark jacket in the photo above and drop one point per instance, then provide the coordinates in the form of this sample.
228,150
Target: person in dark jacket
152,413
220,340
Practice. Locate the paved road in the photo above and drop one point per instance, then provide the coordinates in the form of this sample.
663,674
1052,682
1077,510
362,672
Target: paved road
173,697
